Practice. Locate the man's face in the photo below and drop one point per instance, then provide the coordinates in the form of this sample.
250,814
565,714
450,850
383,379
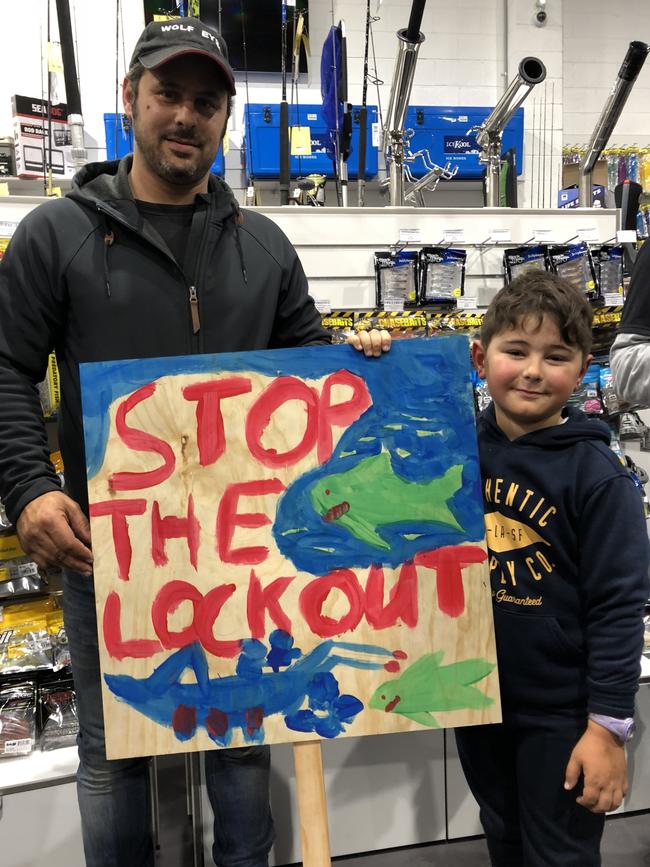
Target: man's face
179,118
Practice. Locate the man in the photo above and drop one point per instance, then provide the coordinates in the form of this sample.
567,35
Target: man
148,256
630,354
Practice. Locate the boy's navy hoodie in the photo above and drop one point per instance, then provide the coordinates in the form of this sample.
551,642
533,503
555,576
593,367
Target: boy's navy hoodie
569,560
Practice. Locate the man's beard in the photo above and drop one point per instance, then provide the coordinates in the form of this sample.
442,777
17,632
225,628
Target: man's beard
173,173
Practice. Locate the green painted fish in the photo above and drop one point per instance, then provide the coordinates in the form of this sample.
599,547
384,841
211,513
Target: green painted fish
428,686
370,496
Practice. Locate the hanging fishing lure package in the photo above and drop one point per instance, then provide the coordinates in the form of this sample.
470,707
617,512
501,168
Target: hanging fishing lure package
608,260
396,279
587,396
18,572
58,708
32,637
442,274
608,391
17,719
482,396
574,264
516,260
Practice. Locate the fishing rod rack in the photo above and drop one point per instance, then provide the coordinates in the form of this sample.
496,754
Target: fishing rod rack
429,181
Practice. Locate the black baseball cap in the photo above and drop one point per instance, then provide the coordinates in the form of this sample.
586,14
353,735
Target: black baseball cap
162,41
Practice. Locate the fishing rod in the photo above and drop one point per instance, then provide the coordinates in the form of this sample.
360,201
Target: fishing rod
210,13
72,95
298,30
363,116
345,134
284,117
250,183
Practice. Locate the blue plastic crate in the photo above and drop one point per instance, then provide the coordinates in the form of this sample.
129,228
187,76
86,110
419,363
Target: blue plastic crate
444,132
125,141
262,141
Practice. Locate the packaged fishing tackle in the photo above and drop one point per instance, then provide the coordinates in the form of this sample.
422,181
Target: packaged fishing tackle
396,279
574,264
17,719
58,708
442,274
516,260
609,264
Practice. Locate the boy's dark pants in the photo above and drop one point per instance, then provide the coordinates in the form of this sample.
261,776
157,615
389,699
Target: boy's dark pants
516,773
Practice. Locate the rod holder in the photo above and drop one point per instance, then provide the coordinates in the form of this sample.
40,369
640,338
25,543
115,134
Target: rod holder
489,134
627,75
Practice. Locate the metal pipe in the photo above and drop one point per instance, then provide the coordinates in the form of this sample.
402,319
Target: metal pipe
393,143
627,75
488,135
72,95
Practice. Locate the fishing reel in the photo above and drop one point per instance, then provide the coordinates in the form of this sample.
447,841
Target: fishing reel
310,191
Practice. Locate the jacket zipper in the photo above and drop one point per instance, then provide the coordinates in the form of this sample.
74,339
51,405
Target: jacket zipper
194,310
193,295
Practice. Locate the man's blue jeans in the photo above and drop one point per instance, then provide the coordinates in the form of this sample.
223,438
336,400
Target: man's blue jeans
114,795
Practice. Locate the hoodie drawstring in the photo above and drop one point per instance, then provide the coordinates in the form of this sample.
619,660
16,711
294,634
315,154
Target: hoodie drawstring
241,253
109,240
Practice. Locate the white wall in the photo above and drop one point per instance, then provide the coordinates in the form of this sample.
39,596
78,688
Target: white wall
462,61
595,39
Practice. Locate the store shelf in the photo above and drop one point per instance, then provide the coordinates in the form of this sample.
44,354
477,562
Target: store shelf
38,769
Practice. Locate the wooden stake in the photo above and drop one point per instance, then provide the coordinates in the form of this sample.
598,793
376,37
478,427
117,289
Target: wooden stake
312,804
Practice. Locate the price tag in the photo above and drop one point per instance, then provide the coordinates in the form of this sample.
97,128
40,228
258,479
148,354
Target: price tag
323,305
394,306
7,229
410,236
17,747
498,236
466,303
626,236
300,141
543,234
588,234
612,299
453,236
376,135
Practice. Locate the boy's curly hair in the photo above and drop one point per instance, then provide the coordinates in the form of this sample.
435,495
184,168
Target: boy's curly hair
533,295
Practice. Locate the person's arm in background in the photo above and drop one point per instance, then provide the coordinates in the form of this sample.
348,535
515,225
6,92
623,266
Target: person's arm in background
630,353
52,528
629,359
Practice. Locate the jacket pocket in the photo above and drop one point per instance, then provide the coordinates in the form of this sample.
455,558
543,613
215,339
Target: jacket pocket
539,666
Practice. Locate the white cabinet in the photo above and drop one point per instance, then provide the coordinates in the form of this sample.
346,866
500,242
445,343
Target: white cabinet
41,826
39,815
382,792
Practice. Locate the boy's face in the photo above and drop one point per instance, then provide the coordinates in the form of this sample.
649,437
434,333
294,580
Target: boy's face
531,373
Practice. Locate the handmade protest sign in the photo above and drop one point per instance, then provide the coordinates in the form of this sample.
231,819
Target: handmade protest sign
289,545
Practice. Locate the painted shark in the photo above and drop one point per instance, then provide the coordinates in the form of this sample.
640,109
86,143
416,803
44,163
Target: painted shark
371,496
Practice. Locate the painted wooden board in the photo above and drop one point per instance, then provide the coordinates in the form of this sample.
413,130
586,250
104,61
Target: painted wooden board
288,545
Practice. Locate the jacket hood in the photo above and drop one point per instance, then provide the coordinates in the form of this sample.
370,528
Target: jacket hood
105,188
578,427
108,182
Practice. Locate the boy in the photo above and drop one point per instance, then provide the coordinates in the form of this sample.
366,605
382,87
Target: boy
568,562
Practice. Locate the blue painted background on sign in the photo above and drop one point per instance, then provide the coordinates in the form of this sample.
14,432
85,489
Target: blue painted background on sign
421,418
